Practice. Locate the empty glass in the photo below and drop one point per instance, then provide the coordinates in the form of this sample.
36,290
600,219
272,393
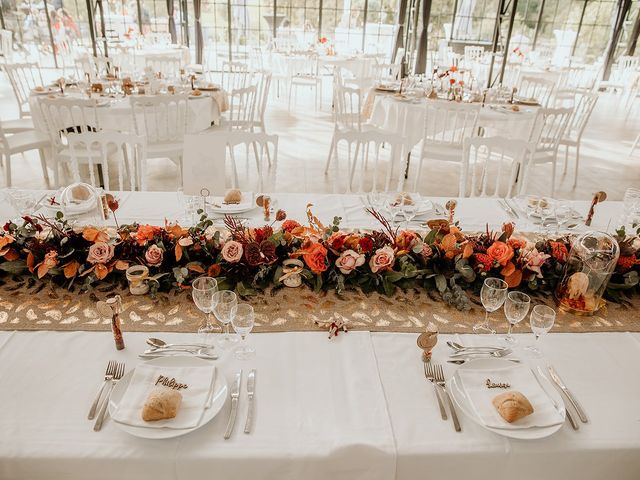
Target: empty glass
243,324
516,307
542,319
225,310
492,295
631,202
203,292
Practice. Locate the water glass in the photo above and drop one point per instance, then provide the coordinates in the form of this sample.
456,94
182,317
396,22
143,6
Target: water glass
243,323
22,201
492,295
225,311
190,205
541,320
203,290
516,307
631,203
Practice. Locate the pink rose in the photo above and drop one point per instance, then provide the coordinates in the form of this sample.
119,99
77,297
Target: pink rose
100,252
348,261
534,260
383,259
153,256
232,251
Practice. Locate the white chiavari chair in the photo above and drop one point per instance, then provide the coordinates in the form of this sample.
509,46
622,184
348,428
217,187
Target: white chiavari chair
6,45
537,88
385,72
20,143
95,67
262,98
168,65
65,116
23,77
491,166
100,151
622,73
242,110
472,54
583,105
163,120
303,72
446,126
235,75
260,143
549,127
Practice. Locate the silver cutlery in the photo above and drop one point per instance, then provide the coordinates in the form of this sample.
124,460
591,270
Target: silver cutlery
482,353
512,206
108,375
430,375
572,420
567,393
461,348
235,398
157,343
169,353
460,362
105,404
251,390
507,208
442,384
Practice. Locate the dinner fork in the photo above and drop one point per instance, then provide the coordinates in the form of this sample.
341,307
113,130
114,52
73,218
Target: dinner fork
108,375
496,353
439,376
429,374
105,404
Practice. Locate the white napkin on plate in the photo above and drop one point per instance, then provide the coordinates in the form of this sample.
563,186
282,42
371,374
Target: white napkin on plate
521,379
195,398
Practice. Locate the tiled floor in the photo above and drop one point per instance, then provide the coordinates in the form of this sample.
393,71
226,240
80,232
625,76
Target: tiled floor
305,135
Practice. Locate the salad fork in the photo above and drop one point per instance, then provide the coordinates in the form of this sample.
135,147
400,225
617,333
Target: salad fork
119,373
439,376
108,375
430,375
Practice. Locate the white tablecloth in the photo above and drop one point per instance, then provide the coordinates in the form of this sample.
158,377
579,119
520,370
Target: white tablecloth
356,407
407,119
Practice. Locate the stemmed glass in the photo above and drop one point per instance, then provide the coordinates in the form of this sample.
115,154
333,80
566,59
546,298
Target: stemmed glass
409,211
203,292
492,295
516,307
393,207
542,319
225,311
243,324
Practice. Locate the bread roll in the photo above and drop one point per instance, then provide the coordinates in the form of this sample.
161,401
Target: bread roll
233,197
161,403
512,406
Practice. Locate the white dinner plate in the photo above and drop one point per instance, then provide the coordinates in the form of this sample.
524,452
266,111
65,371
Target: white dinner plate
219,398
46,91
247,204
457,392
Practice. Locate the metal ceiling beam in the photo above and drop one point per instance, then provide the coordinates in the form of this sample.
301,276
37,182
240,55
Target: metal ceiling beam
505,55
538,25
618,25
633,39
53,45
92,27
575,42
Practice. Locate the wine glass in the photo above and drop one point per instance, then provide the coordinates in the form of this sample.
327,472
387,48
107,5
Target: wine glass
203,290
492,295
393,207
409,211
516,307
225,310
542,319
631,203
243,324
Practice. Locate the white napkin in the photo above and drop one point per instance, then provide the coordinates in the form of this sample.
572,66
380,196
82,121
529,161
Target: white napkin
521,379
195,398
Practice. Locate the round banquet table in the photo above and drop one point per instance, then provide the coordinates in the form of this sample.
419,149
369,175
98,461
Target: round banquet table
407,118
115,113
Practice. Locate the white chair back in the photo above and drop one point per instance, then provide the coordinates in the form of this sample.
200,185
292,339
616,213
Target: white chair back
348,107
583,107
95,67
162,118
259,143
262,97
538,88
491,166
168,65
65,116
6,45
385,72
449,123
127,152
242,111
549,127
235,75
24,77
472,53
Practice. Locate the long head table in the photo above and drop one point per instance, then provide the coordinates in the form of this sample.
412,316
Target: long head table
355,407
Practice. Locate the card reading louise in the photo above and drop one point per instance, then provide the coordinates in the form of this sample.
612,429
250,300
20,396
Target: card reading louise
203,164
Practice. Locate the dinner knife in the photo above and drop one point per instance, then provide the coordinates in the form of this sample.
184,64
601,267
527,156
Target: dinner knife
569,415
512,207
235,397
558,381
251,390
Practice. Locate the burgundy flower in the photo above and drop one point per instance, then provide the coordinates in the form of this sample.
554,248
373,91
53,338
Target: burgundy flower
263,253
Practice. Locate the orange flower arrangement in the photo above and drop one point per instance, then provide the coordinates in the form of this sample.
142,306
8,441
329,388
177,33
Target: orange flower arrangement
559,251
146,233
500,252
315,256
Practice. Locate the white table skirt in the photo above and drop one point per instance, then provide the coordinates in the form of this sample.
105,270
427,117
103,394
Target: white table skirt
356,407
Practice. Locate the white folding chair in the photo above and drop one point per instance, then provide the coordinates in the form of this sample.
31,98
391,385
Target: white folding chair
446,126
303,73
163,120
540,89
168,65
21,143
373,152
491,166
235,75
24,77
549,127
64,116
127,152
584,103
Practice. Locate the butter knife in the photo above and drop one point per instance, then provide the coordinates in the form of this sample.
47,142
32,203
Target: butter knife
251,390
235,397
512,207
558,381
574,424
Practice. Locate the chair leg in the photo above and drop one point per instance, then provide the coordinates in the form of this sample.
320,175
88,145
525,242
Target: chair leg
635,144
575,174
45,172
7,170
553,177
331,148
566,159
290,92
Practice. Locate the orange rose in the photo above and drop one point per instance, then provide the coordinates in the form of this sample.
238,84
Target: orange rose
559,251
500,252
316,258
405,239
146,233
